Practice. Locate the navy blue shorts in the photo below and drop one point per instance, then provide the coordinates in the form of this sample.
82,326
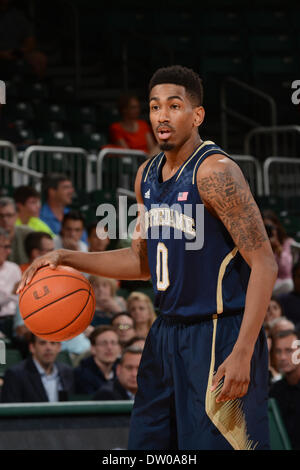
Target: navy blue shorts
174,408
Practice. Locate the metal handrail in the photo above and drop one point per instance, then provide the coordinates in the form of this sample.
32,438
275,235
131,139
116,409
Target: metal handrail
259,176
57,149
268,130
117,152
226,110
266,167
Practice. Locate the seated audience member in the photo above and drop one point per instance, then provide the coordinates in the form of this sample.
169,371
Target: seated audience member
17,234
107,302
274,310
279,324
72,228
99,368
140,307
78,347
123,322
18,42
124,386
10,276
37,244
291,301
132,132
281,245
28,202
137,342
39,378
58,192
98,239
287,390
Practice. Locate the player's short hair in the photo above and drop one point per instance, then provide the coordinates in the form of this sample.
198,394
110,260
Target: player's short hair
23,193
183,76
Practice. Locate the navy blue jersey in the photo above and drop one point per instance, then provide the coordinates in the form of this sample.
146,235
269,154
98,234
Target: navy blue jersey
196,269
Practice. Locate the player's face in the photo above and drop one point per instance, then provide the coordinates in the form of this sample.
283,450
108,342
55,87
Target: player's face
174,118
127,371
283,354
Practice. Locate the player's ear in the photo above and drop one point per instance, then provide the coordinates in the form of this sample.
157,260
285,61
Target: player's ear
199,114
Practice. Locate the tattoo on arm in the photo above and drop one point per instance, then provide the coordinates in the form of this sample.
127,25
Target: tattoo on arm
231,200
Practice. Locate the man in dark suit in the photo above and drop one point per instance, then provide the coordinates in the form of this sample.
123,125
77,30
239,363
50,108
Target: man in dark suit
124,386
38,378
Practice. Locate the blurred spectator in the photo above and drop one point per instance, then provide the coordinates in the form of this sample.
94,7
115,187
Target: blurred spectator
124,386
107,302
280,324
10,276
287,390
123,322
137,342
28,203
281,245
17,234
98,239
58,192
37,244
291,301
38,378
274,310
99,368
140,307
72,228
78,347
17,41
132,132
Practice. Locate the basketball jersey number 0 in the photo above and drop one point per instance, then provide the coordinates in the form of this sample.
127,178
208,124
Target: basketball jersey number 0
162,270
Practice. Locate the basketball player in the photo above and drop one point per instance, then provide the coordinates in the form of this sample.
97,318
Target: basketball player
202,381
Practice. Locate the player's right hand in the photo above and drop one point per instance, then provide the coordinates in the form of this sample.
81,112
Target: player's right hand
51,259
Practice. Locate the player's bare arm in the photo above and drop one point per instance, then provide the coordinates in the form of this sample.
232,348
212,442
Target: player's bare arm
124,264
226,194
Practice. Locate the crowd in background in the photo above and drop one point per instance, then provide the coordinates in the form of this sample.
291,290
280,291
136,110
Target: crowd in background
104,359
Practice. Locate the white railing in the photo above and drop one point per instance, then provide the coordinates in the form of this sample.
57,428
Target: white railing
287,141
252,171
285,181
127,163
73,161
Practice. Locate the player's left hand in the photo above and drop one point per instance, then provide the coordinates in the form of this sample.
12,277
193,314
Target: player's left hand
236,372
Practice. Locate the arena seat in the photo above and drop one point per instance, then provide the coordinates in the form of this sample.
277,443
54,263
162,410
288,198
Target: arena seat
271,43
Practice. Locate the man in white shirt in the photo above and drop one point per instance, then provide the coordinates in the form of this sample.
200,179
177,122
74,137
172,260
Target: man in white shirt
72,229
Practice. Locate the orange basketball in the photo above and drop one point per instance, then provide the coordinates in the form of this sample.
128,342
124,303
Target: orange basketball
58,304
